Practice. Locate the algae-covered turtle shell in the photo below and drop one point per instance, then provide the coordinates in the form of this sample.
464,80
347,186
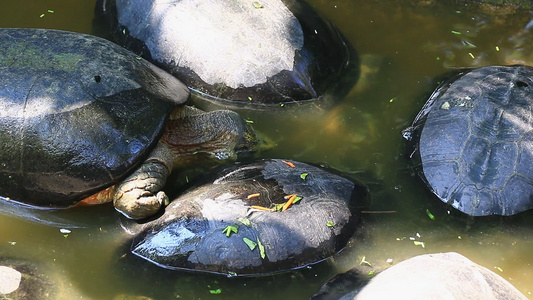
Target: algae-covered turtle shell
223,227
238,52
78,113
474,141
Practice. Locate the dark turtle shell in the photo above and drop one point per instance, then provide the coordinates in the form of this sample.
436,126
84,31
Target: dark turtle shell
192,233
238,52
474,141
78,113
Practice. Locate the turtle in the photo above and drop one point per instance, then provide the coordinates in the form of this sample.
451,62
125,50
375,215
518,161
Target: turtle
84,119
255,218
473,140
259,54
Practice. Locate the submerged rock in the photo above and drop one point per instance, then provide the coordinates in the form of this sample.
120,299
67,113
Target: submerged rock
235,224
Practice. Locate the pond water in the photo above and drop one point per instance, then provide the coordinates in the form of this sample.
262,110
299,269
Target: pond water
404,46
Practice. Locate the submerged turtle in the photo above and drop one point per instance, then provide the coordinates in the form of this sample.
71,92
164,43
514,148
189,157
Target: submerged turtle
235,53
81,114
264,217
474,141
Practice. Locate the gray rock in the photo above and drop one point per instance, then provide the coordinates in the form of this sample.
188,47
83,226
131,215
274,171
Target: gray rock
438,276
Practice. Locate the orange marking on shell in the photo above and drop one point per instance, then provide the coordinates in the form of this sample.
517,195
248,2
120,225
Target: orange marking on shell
253,195
103,196
288,163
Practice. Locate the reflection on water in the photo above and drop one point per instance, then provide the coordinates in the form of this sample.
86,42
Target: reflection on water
405,46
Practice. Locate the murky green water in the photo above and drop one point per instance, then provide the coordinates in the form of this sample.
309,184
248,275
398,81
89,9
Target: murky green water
404,47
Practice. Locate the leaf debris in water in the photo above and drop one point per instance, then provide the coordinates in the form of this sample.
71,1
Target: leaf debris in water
363,261
430,215
304,175
419,243
251,244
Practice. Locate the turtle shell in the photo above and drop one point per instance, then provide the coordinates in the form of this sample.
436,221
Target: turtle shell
193,232
258,53
474,141
78,114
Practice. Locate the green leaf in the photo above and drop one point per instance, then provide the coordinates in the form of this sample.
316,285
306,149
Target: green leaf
455,32
251,244
246,222
230,229
304,175
418,243
371,273
215,292
330,224
261,249
249,121
278,207
257,4
430,215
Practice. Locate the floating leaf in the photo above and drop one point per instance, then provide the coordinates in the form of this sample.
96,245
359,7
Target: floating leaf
363,261
215,292
261,249
246,222
304,175
251,244
230,229
418,243
330,224
430,215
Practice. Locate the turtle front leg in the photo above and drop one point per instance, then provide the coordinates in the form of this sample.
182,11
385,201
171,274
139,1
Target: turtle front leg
140,195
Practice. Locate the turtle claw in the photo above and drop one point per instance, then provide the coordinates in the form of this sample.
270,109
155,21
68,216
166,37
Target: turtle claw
142,206
140,195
